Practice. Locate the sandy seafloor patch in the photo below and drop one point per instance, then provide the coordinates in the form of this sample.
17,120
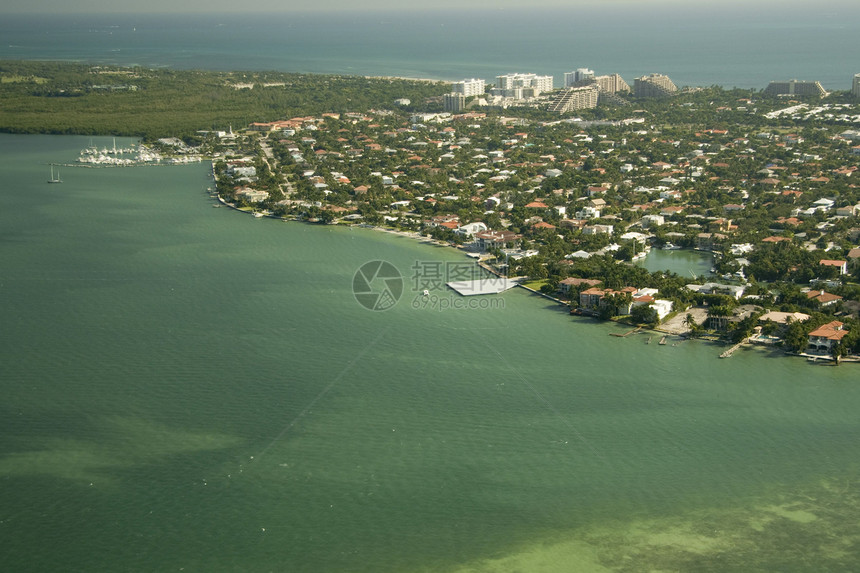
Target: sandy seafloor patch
811,529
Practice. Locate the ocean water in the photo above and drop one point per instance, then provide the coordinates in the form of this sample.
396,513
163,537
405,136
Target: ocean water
190,388
696,44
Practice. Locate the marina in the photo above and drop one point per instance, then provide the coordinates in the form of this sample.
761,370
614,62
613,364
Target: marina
133,155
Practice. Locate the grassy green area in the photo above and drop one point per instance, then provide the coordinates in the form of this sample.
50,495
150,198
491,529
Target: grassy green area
536,285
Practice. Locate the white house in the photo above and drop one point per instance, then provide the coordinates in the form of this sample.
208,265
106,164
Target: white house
588,213
652,221
471,229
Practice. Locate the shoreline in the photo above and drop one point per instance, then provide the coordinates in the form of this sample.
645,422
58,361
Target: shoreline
683,335
406,79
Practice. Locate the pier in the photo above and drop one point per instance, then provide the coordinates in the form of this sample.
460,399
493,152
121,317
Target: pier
731,350
626,334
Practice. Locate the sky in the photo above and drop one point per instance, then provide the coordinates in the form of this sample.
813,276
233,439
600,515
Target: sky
227,6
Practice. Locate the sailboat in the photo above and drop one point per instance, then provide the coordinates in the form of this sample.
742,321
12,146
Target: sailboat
54,178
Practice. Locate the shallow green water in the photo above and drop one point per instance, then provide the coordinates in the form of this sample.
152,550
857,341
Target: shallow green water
191,388
684,262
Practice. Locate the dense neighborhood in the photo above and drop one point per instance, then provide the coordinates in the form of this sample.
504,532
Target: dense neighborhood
763,182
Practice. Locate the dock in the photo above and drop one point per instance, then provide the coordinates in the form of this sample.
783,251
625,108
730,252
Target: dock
489,285
731,350
626,334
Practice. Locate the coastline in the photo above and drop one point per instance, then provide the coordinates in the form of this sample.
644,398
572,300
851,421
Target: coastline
408,79
671,327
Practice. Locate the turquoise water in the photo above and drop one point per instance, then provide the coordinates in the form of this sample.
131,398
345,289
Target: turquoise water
696,44
192,388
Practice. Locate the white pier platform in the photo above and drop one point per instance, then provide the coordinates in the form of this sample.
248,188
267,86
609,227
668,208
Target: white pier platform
490,285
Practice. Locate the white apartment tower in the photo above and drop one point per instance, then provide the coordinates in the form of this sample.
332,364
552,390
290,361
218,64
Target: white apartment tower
468,88
583,74
512,81
576,78
855,87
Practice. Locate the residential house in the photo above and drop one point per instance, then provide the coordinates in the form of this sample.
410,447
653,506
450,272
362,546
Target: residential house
842,266
734,291
825,298
252,195
588,213
597,229
572,282
783,319
854,257
649,221
487,240
471,229
593,298
824,338
848,211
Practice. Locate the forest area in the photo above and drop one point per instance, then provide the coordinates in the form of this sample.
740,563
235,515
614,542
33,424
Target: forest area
67,98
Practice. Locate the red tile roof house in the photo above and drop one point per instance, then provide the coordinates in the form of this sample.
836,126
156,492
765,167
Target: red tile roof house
854,256
566,284
824,338
841,265
593,298
825,298
495,239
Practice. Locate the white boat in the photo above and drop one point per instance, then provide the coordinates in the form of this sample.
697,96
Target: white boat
54,179
258,215
670,247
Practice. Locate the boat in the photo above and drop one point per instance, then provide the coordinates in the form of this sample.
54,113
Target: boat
670,247
641,254
258,215
426,292
54,179
648,341
662,340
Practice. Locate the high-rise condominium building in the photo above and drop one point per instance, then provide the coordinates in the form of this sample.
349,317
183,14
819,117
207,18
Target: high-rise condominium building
795,87
575,78
612,84
570,99
538,83
469,88
654,85
855,87
454,102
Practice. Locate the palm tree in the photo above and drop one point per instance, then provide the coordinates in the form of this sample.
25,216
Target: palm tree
837,352
691,325
719,313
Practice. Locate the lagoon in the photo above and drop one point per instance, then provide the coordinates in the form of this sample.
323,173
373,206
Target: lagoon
192,388
684,262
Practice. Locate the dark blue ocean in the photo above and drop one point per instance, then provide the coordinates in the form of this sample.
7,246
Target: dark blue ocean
695,44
